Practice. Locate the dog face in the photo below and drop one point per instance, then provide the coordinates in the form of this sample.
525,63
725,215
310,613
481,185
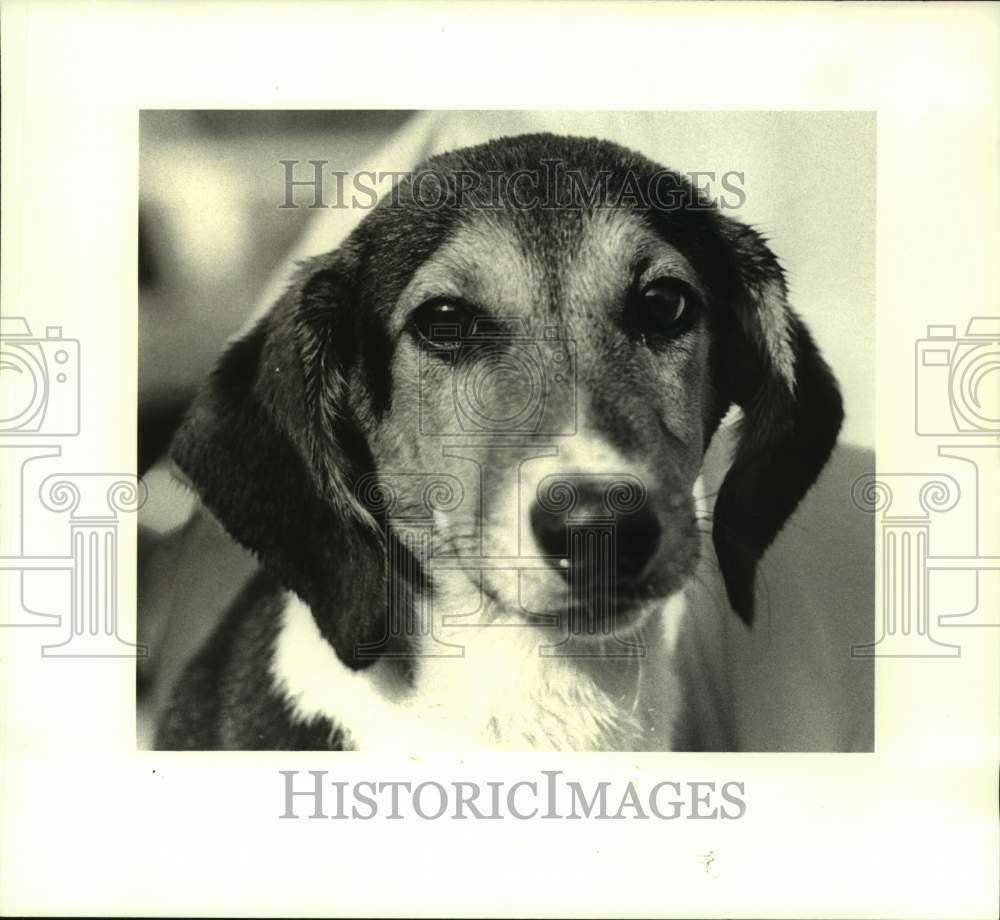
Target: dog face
561,369
566,350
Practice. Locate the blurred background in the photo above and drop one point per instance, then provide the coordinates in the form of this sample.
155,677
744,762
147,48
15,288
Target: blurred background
215,247
211,233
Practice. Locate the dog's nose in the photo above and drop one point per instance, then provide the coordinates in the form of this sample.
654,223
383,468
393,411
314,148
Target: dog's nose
634,535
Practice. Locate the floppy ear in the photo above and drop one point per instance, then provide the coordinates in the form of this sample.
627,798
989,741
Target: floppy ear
792,412
272,446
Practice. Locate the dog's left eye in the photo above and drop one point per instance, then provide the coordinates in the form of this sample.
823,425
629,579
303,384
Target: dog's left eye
666,307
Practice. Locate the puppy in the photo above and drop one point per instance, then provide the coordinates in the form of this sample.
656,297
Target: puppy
465,445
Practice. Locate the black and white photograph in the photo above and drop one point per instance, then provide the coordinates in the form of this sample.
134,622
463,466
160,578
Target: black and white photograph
499,460
511,450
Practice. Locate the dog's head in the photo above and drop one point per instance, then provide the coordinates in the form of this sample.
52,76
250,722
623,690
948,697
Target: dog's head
554,327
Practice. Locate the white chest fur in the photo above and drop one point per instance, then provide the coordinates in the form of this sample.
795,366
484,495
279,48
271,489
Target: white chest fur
501,693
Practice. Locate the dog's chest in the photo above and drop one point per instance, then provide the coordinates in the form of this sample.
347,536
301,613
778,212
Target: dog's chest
497,690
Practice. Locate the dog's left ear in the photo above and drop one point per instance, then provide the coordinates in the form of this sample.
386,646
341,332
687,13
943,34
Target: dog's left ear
792,412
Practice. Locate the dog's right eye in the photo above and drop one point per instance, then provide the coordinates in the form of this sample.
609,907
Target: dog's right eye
440,325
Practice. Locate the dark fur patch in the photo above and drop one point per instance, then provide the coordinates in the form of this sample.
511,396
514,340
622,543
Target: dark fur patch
225,699
238,448
785,440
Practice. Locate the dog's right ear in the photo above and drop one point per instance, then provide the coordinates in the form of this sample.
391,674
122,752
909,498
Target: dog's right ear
271,444
792,413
